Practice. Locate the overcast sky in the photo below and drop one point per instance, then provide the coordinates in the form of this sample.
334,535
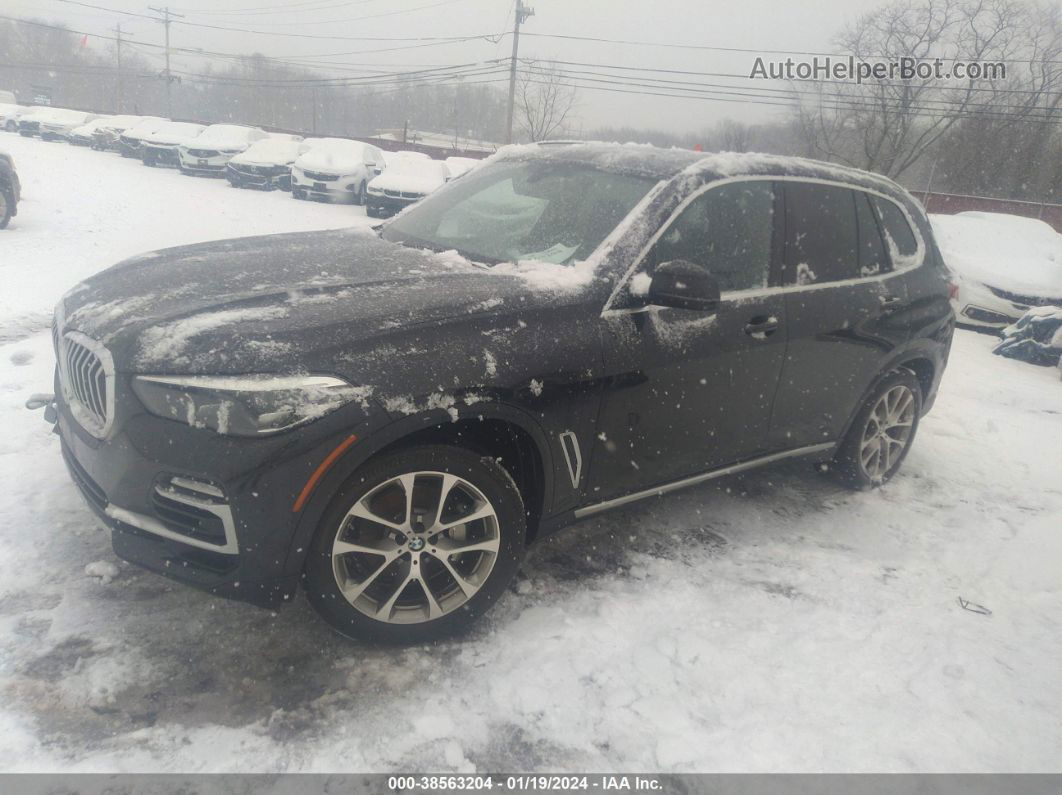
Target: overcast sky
754,24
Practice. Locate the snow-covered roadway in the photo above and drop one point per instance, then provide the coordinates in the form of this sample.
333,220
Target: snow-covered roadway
765,622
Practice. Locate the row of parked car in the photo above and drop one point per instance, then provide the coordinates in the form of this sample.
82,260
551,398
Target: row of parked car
325,169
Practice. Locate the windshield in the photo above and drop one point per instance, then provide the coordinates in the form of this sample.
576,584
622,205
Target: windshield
532,210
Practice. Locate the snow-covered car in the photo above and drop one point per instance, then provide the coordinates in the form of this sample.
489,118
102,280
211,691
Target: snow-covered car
107,135
33,123
1005,264
58,125
131,140
82,136
236,439
459,165
9,115
265,164
406,180
336,169
212,149
160,147
10,188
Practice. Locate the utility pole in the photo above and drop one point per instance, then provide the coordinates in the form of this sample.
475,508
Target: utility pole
166,14
522,13
118,76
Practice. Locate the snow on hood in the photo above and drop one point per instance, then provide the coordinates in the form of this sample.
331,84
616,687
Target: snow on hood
412,176
1020,255
91,127
342,157
271,303
269,152
144,128
174,133
225,136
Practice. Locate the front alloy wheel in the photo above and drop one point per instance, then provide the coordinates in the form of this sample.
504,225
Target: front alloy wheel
421,544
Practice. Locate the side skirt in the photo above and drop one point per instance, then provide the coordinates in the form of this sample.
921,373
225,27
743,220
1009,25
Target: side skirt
590,510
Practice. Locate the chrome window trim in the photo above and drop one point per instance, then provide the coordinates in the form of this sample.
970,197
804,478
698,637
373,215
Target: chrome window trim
693,480
920,253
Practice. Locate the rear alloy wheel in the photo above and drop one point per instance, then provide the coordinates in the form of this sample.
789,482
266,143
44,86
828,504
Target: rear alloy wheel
417,545
7,207
882,433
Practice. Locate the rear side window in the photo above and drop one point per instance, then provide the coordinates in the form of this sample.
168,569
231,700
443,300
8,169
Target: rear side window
726,230
822,238
899,237
873,257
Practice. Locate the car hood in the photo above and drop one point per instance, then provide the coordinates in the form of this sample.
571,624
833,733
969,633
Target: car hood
278,303
332,162
247,159
408,183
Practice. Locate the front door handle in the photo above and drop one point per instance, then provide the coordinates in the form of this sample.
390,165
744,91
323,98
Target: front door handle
889,301
761,326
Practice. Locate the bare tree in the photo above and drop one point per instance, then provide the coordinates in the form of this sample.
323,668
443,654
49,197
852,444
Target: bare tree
888,125
734,136
544,100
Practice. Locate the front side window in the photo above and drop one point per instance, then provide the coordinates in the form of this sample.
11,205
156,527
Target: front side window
822,239
726,230
532,210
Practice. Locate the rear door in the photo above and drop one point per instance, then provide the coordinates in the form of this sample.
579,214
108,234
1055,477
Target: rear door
688,390
842,303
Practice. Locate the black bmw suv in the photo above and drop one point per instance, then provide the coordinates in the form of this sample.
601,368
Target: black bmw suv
392,417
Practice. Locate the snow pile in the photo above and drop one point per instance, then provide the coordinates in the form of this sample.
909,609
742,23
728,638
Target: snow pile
1019,255
1036,337
103,570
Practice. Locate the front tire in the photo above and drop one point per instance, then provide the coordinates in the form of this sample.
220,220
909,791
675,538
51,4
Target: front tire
416,545
882,432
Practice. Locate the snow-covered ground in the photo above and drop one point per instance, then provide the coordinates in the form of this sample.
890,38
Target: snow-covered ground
765,622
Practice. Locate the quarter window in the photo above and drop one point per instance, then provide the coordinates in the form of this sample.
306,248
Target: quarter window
873,258
898,235
822,238
727,230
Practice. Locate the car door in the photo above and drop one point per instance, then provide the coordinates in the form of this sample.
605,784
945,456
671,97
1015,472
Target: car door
843,310
689,390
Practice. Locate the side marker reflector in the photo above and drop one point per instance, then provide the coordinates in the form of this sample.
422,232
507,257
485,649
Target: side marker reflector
319,472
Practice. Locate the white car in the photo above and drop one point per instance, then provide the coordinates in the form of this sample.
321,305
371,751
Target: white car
266,163
336,169
459,165
106,135
212,149
406,180
1005,264
58,125
160,147
9,115
83,135
132,138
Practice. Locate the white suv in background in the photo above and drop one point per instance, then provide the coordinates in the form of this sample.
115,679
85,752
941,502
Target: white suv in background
211,150
160,147
336,169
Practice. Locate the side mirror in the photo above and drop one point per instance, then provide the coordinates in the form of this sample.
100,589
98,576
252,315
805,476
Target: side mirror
682,285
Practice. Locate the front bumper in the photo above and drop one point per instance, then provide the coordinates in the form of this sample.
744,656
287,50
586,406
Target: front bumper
344,188
976,305
152,155
264,177
209,511
385,206
212,165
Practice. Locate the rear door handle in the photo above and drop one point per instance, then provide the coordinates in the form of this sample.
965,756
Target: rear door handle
889,301
761,326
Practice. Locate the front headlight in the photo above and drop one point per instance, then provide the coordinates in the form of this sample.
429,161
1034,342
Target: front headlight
244,405
375,191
